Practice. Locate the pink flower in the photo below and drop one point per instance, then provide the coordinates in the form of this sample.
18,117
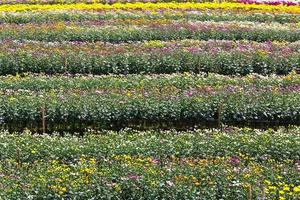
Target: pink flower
155,160
190,93
134,177
237,169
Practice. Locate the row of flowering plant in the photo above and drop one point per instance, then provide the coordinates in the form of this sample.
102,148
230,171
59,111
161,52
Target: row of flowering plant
168,83
127,177
96,1
268,145
115,31
148,165
189,15
157,107
272,2
214,56
154,6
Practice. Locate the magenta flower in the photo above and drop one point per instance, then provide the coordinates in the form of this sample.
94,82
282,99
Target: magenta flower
190,94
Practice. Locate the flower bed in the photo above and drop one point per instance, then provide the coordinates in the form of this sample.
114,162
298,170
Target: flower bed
152,57
155,31
151,107
148,165
153,6
167,83
176,14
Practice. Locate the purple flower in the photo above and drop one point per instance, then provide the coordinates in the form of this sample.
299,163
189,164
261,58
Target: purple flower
234,160
192,50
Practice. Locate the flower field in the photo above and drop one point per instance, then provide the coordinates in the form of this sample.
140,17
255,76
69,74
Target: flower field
150,99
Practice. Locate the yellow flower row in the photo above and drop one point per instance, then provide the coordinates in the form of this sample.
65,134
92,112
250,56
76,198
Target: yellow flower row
153,6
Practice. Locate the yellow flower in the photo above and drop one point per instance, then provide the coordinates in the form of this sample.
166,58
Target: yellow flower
293,75
93,161
267,191
297,189
190,163
153,183
59,180
286,188
272,187
129,94
153,7
186,73
87,170
117,188
62,190
249,78
127,157
59,189
154,43
197,183
262,53
54,163
267,182
281,192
